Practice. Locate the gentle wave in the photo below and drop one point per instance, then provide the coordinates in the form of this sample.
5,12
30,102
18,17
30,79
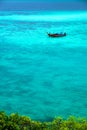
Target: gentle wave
48,17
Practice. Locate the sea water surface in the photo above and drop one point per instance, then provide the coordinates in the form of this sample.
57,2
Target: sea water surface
43,77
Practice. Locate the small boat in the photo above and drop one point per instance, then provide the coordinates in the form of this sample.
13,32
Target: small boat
56,34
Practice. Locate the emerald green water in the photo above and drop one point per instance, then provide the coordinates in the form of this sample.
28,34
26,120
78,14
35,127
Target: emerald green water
43,77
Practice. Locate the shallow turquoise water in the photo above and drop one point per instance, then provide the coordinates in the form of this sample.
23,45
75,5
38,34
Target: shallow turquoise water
43,77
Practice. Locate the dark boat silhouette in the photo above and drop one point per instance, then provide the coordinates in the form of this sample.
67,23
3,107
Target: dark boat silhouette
56,34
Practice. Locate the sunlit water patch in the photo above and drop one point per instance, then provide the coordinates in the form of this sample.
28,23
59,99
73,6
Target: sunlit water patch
43,77
47,16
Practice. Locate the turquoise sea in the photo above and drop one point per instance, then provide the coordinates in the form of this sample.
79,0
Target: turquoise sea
43,77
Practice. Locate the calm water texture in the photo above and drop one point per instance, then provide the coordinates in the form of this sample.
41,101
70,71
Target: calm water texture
43,77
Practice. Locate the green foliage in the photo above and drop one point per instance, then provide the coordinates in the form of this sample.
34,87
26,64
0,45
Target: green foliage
17,122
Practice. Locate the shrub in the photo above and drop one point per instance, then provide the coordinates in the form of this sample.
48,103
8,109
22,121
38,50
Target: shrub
17,122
